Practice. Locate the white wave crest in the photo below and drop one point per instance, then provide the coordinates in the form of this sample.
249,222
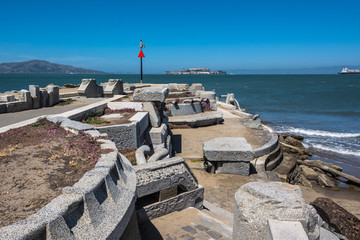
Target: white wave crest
319,133
336,150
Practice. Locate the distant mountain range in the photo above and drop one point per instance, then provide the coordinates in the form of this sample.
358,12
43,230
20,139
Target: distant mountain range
40,66
317,70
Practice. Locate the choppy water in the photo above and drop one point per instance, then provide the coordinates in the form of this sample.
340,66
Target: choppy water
325,109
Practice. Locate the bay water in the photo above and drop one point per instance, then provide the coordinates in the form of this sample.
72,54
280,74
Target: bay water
325,109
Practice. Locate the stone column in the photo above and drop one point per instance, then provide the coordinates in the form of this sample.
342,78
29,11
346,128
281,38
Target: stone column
24,96
35,94
53,97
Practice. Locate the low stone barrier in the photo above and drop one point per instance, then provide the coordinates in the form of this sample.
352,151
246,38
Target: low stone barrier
267,147
99,206
199,121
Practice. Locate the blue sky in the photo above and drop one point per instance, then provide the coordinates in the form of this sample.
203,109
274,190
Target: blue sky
104,35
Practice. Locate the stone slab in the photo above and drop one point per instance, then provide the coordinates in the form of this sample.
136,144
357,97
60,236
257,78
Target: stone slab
112,116
279,230
153,115
238,168
211,95
182,109
142,122
152,94
228,149
158,135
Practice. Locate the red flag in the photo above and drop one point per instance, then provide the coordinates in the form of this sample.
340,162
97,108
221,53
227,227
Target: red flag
141,54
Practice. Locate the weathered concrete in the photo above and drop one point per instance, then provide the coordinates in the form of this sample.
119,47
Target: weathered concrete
3,108
195,87
140,154
152,94
158,135
122,105
24,96
228,149
181,109
165,174
53,98
154,115
99,206
114,87
90,89
7,98
43,98
256,202
198,120
279,230
35,94
211,95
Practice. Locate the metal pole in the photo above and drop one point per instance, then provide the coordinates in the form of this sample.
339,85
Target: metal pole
141,75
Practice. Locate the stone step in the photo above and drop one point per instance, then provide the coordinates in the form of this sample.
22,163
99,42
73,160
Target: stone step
190,223
274,159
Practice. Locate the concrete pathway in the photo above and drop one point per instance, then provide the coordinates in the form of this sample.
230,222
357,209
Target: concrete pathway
15,117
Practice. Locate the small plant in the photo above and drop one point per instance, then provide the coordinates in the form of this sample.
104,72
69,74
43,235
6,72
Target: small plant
95,120
66,102
108,111
129,153
39,123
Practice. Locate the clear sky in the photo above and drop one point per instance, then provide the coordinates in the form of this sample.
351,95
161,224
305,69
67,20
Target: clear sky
104,35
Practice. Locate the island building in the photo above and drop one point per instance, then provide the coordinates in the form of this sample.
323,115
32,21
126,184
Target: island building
197,71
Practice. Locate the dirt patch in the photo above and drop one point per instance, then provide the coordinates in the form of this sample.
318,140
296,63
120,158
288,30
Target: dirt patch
125,113
129,153
36,162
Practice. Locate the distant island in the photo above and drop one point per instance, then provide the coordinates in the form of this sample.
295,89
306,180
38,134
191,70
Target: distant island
40,66
197,71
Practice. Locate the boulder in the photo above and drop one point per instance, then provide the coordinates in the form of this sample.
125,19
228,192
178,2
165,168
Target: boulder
293,142
256,202
338,218
150,94
309,173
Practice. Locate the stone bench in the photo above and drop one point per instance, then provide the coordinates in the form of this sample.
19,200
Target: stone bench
228,155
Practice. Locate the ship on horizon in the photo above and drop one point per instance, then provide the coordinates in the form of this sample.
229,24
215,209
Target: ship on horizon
346,70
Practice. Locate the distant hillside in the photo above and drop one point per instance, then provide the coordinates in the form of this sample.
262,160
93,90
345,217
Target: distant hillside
318,70
40,66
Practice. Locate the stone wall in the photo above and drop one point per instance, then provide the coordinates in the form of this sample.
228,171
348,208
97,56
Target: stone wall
99,206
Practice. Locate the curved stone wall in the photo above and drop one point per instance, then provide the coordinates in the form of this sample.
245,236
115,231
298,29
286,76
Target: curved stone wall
99,206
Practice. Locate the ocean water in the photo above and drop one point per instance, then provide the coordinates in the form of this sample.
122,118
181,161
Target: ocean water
325,109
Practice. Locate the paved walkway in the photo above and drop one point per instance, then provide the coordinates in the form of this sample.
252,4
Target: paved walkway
188,142
15,117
